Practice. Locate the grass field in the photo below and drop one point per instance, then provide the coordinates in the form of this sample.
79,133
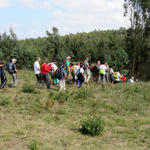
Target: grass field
48,120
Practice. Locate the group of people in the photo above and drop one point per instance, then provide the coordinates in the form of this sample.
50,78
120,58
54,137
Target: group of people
79,72
49,73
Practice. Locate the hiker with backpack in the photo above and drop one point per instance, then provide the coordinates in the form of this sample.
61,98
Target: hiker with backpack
73,72
12,69
81,76
53,70
2,75
95,71
102,72
76,71
87,71
62,76
37,72
45,75
67,63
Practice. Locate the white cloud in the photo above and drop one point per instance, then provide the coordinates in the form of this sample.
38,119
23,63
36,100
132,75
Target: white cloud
36,4
4,3
88,15
72,16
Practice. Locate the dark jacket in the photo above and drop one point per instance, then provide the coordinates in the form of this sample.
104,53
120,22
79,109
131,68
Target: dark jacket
2,72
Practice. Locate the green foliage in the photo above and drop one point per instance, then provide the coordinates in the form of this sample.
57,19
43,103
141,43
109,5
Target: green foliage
118,59
4,102
33,145
92,125
138,37
28,88
62,97
83,93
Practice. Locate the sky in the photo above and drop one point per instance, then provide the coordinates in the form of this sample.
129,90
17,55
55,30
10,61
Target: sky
31,18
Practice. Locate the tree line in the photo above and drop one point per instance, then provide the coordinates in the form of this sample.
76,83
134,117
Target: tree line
127,50
107,46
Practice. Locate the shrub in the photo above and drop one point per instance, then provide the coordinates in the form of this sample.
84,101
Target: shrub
4,101
27,88
82,93
33,145
61,97
92,125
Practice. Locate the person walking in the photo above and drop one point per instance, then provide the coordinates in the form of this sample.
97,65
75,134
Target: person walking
37,72
45,75
62,82
2,76
12,69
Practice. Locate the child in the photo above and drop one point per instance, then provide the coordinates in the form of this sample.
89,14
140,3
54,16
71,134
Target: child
2,76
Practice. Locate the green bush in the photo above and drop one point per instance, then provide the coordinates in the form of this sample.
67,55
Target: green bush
61,97
92,125
82,93
27,88
33,145
4,102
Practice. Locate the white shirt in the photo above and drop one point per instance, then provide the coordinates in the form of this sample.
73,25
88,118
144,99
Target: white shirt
103,67
111,71
54,67
76,67
36,67
81,70
131,81
118,79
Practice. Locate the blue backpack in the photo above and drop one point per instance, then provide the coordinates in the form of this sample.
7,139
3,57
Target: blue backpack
10,68
78,71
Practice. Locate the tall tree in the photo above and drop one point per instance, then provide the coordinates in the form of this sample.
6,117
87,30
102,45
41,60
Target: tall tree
139,12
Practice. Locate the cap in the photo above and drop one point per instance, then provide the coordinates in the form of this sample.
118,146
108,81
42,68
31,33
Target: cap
13,60
68,57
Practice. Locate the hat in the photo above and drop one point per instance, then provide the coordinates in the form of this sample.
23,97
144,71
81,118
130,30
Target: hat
13,60
68,57
54,61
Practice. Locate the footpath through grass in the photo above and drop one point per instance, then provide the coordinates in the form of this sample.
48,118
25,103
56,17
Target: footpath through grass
49,120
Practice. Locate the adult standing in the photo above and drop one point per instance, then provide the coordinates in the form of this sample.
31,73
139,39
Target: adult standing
2,76
12,69
62,83
37,72
45,75
81,76
95,71
87,71
102,72
54,68
110,73
106,73
68,65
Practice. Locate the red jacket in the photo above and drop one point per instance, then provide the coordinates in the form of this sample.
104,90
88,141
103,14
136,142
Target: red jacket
44,68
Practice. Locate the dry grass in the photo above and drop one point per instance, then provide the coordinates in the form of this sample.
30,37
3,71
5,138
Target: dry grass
26,117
